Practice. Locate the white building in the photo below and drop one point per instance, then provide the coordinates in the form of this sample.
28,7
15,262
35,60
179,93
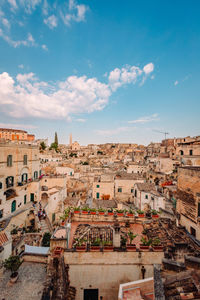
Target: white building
147,196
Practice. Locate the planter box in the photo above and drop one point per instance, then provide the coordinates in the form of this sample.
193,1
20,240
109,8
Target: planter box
85,212
101,213
120,214
95,248
131,247
77,211
108,248
129,215
14,278
110,213
93,212
141,215
157,248
155,216
81,248
144,248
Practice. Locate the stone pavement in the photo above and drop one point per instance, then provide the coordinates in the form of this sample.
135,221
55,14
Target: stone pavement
29,285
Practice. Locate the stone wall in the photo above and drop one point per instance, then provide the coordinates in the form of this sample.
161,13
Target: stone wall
107,270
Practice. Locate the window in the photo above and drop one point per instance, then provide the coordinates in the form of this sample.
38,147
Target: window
181,152
119,190
13,206
35,174
53,217
9,181
9,161
193,231
25,197
24,177
1,185
97,195
135,193
132,191
1,213
32,197
152,198
40,172
191,152
98,185
199,209
25,159
146,196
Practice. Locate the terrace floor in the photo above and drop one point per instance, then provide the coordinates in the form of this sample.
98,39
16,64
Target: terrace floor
29,285
135,228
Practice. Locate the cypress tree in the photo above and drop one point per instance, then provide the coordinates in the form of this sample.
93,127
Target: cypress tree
56,139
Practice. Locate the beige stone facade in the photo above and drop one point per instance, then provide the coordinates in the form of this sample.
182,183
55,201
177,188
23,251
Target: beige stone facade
188,199
19,176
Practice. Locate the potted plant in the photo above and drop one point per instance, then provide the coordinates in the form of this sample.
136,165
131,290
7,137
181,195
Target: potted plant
120,212
12,263
145,243
80,245
130,213
131,247
108,246
154,213
101,211
77,210
156,244
85,210
110,212
123,242
92,211
140,213
95,245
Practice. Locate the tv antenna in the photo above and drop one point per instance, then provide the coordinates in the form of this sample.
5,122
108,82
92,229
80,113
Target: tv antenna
163,132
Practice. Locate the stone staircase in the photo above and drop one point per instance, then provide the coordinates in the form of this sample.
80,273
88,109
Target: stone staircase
44,226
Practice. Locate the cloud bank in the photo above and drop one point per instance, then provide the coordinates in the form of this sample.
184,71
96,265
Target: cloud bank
26,96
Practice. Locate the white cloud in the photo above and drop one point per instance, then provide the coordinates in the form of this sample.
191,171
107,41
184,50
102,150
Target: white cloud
17,126
128,74
6,23
26,96
81,120
21,66
51,21
45,8
144,120
29,5
13,3
176,82
76,13
44,47
148,68
116,131
29,42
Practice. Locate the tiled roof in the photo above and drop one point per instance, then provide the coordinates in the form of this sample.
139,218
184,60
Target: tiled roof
3,238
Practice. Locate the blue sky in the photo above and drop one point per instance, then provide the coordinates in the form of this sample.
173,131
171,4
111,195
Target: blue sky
105,71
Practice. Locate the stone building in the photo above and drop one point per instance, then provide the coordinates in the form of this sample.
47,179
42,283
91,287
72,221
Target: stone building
19,176
188,199
16,135
146,195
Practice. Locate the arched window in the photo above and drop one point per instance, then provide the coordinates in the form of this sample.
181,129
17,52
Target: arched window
191,152
13,206
181,152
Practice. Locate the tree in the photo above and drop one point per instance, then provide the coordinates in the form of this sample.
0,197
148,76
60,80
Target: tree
46,239
42,146
56,139
12,263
